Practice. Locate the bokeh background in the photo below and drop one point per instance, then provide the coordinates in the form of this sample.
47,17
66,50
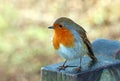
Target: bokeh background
25,40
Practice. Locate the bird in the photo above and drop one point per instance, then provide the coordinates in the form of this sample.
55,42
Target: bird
70,41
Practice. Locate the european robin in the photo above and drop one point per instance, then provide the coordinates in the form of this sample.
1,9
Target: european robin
70,40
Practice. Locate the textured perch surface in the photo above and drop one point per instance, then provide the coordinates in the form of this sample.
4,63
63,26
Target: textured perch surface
107,68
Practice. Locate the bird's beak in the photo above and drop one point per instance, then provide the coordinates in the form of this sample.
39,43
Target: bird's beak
51,27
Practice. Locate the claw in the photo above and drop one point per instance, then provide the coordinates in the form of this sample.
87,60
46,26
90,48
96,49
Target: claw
62,67
78,69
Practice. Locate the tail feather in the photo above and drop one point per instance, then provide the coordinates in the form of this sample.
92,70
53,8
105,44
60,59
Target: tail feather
90,51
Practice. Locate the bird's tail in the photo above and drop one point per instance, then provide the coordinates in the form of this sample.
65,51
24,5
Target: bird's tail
92,56
90,50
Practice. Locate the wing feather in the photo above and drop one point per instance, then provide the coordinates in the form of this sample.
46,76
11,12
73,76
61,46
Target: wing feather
82,33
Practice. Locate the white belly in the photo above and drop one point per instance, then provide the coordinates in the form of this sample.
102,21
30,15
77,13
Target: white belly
77,51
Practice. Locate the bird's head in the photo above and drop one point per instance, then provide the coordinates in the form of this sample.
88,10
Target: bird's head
62,24
62,27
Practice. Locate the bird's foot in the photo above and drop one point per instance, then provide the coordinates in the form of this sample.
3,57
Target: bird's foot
78,69
62,67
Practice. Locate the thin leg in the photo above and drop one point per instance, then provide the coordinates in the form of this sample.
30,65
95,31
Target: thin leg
80,63
78,69
63,66
64,63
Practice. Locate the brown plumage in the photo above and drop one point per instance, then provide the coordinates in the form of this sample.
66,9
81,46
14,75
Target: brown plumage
82,33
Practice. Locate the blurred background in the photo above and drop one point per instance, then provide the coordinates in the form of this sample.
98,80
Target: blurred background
25,40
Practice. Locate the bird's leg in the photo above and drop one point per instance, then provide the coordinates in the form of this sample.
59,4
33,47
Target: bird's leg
79,67
63,66
80,62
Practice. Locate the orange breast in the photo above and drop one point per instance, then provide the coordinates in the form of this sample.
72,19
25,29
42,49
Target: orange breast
63,36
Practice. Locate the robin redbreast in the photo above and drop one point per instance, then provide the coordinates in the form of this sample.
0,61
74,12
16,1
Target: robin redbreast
70,41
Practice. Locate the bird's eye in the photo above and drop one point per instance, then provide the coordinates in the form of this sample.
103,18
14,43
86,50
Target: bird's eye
60,26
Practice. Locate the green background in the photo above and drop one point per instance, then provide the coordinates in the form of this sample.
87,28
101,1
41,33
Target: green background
25,40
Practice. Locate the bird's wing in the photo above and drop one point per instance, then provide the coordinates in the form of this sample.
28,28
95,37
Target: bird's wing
82,33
